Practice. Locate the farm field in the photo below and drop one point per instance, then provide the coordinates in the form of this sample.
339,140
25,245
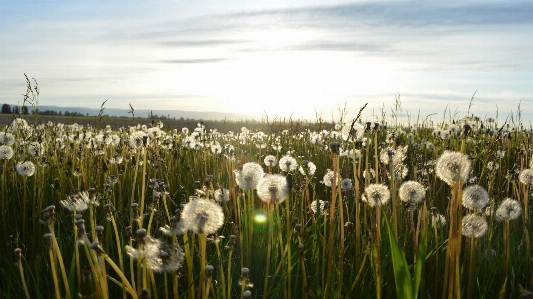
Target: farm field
122,208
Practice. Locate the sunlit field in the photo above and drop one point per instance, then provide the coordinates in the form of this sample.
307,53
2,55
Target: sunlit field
352,209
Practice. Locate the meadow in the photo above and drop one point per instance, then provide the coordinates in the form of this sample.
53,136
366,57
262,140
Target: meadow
345,209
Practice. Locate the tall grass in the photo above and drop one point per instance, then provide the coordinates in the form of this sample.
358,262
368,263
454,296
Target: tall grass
127,237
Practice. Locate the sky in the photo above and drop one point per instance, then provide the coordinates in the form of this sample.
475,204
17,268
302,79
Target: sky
275,58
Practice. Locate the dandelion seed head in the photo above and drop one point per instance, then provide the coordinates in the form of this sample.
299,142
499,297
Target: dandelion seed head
25,168
452,166
7,138
288,163
475,197
6,152
412,192
474,226
323,206
346,184
273,188
329,177
376,195
310,167
202,216
509,209
271,161
526,176
249,176
221,195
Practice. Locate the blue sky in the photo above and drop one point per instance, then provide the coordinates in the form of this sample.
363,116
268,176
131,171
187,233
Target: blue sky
283,58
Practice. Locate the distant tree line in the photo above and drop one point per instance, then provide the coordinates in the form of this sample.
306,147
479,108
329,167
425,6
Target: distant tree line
8,109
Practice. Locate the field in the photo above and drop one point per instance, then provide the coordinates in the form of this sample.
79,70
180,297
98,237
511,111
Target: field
134,208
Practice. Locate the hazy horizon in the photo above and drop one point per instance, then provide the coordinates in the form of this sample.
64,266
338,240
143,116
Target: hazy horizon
276,58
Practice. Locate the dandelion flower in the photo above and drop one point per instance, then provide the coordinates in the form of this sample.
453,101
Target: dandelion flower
169,260
452,166
26,168
273,188
222,194
310,167
323,206
249,176
149,250
79,202
271,161
526,176
288,163
202,216
412,192
395,156
356,131
6,152
474,226
509,209
376,195
438,220
36,149
328,178
7,138
137,139
475,197
346,184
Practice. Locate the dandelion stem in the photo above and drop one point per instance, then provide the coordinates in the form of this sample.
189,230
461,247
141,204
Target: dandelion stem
24,286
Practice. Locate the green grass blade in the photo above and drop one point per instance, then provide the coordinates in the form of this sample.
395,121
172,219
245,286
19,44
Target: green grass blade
420,257
402,277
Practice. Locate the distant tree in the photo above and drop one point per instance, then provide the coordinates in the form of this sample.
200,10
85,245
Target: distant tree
24,110
6,109
60,113
67,113
16,110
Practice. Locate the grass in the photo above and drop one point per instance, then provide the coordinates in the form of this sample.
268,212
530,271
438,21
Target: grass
349,249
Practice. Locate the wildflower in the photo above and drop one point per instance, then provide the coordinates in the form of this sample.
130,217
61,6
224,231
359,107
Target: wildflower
7,138
79,202
170,259
328,178
353,154
308,167
493,166
249,176
452,166
474,226
346,184
526,176
6,152
202,216
270,161
26,168
354,130
288,163
509,209
149,249
438,220
137,139
273,188
395,156
412,192
376,195
222,194
475,197
323,206
399,172
371,173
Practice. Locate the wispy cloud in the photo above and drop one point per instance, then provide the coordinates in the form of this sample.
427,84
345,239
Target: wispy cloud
194,61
